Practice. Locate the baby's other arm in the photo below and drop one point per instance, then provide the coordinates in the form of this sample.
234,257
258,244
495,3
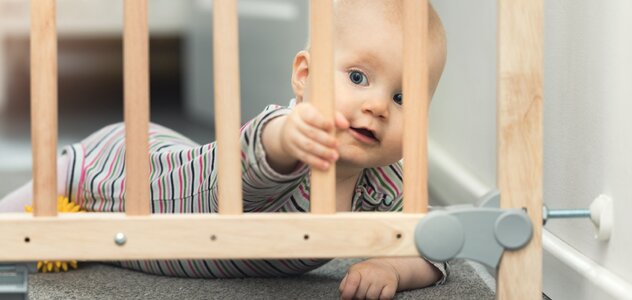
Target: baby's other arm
382,277
303,135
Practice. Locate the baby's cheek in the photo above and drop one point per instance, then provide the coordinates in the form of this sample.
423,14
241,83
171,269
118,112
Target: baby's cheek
395,151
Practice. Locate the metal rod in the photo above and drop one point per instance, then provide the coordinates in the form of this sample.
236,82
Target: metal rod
563,213
568,213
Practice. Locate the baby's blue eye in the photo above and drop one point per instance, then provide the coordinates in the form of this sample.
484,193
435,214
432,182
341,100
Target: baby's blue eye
358,78
398,99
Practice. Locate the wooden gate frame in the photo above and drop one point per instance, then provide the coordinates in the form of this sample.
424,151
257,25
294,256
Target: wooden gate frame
323,233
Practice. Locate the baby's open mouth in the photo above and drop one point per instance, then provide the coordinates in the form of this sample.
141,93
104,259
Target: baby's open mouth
365,132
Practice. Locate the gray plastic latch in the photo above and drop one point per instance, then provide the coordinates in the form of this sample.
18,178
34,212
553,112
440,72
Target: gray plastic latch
491,199
480,234
14,282
440,235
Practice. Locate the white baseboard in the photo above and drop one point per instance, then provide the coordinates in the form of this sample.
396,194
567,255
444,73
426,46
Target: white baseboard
568,274
450,183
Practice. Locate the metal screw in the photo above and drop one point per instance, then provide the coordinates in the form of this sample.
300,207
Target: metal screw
120,239
563,213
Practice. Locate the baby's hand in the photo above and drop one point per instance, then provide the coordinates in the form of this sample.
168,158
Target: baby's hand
305,136
370,279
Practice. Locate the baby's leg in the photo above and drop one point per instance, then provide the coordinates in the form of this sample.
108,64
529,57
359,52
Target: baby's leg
16,200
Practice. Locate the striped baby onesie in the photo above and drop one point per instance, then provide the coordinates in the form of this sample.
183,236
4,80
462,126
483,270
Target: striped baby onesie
184,180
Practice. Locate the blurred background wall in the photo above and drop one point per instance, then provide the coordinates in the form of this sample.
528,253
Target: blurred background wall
90,68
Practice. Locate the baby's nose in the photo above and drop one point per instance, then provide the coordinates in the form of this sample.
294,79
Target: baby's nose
377,106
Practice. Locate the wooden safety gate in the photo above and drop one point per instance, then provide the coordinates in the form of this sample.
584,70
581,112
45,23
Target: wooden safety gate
323,233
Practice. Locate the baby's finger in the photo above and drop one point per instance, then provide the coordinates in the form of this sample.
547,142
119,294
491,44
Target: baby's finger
352,283
317,135
342,283
388,292
374,291
310,115
312,160
312,147
363,288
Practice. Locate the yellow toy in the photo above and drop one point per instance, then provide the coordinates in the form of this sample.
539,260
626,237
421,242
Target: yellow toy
63,205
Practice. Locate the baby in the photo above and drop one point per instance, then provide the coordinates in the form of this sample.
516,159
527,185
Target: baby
279,147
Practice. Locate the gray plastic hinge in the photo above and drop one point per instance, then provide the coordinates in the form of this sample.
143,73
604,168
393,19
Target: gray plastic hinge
14,281
476,233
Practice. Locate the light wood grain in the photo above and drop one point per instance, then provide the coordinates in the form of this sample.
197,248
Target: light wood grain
415,95
323,234
44,106
89,236
520,60
321,68
227,100
136,76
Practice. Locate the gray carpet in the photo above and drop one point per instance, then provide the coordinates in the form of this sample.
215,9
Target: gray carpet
98,281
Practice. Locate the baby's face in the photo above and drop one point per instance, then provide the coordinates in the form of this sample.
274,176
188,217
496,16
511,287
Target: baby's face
368,88
368,62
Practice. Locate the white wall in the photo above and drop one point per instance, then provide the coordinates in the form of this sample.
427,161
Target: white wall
271,32
587,132
91,18
463,111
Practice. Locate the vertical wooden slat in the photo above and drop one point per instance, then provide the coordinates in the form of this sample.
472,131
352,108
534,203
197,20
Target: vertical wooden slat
520,60
227,109
136,73
323,183
415,91
44,106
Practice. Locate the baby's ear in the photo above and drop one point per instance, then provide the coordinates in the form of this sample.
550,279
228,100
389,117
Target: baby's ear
300,72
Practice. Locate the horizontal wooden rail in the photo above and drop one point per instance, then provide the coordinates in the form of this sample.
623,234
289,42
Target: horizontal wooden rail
91,236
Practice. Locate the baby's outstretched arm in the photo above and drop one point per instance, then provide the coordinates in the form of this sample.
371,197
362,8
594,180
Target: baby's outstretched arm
381,278
302,135
16,200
